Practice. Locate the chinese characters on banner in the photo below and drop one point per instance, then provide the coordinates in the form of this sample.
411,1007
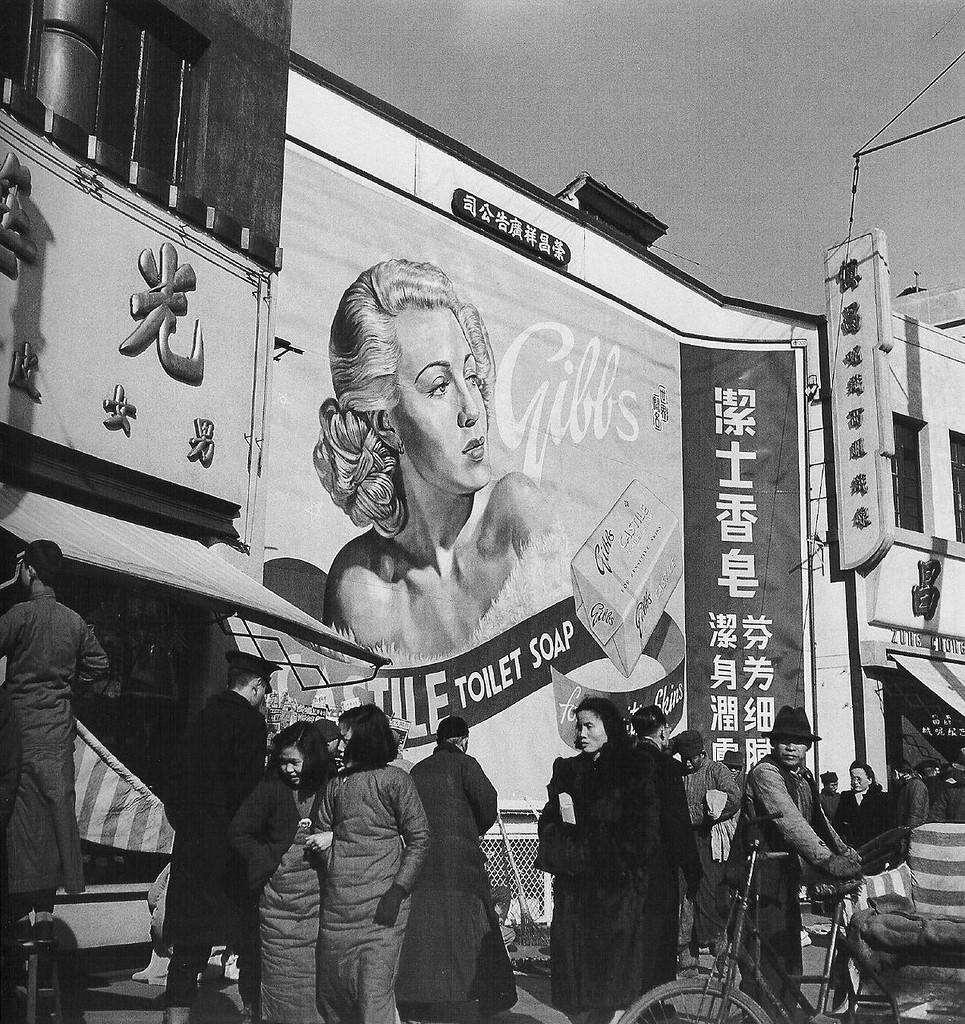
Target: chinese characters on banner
860,337
743,543
495,221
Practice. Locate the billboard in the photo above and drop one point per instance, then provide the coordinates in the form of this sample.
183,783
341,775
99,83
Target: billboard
507,483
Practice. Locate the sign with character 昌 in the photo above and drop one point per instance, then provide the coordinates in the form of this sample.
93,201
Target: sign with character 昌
475,480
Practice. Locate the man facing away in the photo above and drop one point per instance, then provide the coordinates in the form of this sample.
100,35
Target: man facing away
221,760
676,853
49,650
781,784
453,950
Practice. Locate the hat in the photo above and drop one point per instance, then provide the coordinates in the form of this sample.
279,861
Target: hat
242,661
792,724
827,777
689,743
329,729
733,759
452,728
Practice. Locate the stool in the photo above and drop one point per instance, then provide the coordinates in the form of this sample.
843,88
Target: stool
35,953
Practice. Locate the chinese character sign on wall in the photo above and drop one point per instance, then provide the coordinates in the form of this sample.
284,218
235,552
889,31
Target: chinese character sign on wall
859,339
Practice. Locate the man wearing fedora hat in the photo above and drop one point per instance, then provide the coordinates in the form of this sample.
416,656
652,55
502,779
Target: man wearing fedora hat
781,784
221,760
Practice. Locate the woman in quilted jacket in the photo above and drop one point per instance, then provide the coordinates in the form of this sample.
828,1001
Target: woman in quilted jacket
372,819
270,833
597,833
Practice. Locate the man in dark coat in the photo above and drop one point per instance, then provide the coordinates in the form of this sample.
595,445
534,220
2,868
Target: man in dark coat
781,784
49,649
10,762
221,760
949,804
453,949
676,854
911,797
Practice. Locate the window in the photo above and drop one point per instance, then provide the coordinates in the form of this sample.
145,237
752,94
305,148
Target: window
144,86
144,82
957,443
906,475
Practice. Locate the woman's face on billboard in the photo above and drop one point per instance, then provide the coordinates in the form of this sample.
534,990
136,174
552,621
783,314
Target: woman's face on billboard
440,417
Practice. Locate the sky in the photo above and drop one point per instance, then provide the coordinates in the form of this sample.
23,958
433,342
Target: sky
732,121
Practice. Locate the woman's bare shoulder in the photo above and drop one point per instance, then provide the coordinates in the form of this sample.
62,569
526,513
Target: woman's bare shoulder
517,510
356,591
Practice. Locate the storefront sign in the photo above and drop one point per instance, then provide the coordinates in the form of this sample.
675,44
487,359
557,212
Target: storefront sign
936,643
925,595
509,228
860,337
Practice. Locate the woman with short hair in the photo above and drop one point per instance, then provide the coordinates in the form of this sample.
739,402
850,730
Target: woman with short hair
269,833
864,810
369,811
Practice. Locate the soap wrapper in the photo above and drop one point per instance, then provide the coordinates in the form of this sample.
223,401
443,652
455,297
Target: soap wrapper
625,573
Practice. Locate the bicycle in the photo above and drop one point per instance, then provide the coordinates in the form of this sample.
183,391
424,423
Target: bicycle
717,999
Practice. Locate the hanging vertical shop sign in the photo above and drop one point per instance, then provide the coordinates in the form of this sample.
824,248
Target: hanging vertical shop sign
857,281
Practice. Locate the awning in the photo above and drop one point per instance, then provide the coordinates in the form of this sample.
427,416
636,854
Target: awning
945,679
201,576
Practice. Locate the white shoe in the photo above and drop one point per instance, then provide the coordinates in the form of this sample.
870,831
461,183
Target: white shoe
230,964
156,972
805,938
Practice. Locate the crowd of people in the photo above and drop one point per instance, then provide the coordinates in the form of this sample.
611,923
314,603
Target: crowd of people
352,885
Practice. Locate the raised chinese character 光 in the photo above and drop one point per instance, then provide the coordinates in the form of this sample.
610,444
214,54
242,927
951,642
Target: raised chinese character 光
121,411
737,573
861,520
856,449
852,357
848,276
202,444
850,319
859,483
855,416
925,594
14,222
735,456
158,310
24,366
855,384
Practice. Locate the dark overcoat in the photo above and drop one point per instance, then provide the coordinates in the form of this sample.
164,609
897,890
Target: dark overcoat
600,937
222,759
453,949
858,823
676,853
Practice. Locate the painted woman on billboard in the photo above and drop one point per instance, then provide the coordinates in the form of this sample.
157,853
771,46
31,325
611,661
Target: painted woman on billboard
404,451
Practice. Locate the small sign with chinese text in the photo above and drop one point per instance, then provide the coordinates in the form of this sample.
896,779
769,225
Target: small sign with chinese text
510,228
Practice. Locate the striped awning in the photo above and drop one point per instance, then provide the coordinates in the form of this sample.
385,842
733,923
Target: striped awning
114,808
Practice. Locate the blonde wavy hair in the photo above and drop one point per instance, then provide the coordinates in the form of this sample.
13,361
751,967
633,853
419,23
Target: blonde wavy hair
355,464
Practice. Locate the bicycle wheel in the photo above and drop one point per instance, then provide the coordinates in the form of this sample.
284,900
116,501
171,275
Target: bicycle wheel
694,1001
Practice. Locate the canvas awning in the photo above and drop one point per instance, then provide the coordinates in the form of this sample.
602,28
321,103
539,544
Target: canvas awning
198,574
945,679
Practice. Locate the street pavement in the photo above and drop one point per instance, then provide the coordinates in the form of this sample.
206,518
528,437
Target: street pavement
98,990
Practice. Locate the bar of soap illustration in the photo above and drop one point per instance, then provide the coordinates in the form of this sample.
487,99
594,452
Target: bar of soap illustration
625,572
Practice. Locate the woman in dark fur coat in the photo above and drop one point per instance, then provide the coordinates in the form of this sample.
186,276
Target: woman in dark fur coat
596,833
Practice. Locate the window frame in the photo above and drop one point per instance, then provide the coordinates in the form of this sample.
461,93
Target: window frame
908,489
957,440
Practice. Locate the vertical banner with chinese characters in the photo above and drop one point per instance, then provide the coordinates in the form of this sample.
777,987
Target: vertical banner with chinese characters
742,535
860,337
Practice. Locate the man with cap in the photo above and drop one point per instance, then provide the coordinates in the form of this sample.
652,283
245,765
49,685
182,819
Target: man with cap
50,650
675,857
911,797
712,796
781,784
453,950
830,797
221,760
